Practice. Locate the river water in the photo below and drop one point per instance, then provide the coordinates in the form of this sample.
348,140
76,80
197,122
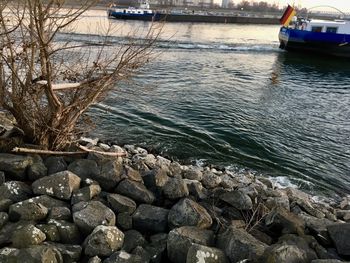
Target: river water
225,94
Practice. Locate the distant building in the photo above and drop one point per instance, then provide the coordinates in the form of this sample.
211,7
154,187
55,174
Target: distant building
225,3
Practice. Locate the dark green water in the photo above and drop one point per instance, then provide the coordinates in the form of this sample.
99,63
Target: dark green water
225,94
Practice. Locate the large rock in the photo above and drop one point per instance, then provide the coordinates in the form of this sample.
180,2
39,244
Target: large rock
9,254
345,203
155,179
124,221
123,257
196,189
284,253
6,232
304,201
4,218
181,239
39,254
15,191
175,170
84,168
198,253
150,218
60,185
189,213
136,191
55,164
27,210
239,245
121,204
340,234
238,200
69,253
278,201
306,244
175,188
2,177
50,231
94,259
27,236
49,202
110,174
328,261
94,213
193,173
132,239
210,180
59,213
15,165
86,193
281,220
37,169
103,241
68,231
132,174
5,204
318,228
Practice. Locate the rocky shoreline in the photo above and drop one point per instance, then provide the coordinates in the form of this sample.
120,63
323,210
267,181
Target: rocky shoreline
146,208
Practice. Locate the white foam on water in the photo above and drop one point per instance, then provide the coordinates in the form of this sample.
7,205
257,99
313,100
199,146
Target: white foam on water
282,182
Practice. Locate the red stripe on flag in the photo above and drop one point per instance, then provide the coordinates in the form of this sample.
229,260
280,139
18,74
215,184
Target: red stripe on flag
286,14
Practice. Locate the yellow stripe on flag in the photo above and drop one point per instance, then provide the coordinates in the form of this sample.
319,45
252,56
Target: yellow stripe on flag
289,18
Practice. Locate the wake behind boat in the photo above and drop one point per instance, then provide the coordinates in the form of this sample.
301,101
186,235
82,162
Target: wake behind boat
317,36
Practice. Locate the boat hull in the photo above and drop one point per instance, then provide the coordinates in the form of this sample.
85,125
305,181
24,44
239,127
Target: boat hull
315,42
193,18
134,16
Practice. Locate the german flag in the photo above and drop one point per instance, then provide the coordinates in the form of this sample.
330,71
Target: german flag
287,16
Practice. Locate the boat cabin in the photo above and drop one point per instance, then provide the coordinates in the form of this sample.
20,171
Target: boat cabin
324,26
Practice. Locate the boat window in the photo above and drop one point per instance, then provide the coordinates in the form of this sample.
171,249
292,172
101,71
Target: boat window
139,12
316,29
332,30
124,11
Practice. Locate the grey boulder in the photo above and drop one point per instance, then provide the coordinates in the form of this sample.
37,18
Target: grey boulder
136,191
15,165
39,254
181,239
210,180
55,164
60,185
84,168
37,169
175,188
193,173
121,204
189,213
15,190
239,245
199,253
284,253
340,234
103,241
27,210
150,218
3,219
85,194
93,214
123,257
238,200
68,231
27,236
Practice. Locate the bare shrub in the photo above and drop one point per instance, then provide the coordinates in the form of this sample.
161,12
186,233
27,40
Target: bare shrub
48,85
